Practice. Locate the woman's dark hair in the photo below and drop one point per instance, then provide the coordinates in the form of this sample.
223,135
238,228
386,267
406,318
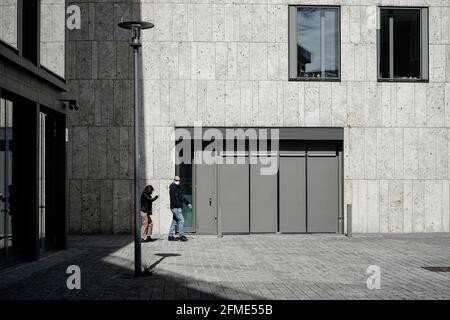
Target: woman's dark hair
148,189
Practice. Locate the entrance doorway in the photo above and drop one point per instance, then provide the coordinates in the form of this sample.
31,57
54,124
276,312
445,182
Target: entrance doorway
32,180
205,201
233,196
50,177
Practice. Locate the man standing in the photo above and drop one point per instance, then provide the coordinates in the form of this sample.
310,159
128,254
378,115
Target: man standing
176,204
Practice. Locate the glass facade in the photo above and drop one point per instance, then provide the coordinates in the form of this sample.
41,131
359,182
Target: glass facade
185,173
317,42
6,179
8,22
32,144
52,46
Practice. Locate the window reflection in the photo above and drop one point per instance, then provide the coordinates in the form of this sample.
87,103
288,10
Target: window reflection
309,42
331,42
8,22
317,42
53,36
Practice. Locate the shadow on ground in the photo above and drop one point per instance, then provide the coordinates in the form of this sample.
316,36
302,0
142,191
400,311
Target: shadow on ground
106,275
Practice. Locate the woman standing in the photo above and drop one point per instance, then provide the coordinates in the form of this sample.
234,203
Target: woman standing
146,212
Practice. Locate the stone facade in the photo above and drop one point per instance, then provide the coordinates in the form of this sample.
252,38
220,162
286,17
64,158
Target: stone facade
225,63
52,42
8,27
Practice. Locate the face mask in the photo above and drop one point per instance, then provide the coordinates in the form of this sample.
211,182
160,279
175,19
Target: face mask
177,183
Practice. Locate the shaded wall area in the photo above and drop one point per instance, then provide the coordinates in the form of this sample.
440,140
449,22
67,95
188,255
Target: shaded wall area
101,142
100,151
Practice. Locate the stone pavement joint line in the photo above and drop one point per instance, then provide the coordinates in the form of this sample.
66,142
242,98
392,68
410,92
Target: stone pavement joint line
240,267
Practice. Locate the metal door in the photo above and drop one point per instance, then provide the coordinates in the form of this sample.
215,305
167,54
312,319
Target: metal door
205,199
233,196
263,200
292,188
323,191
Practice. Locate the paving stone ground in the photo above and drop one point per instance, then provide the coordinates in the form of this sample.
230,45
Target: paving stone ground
240,267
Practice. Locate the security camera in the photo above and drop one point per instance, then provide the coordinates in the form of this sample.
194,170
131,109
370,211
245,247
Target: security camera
72,104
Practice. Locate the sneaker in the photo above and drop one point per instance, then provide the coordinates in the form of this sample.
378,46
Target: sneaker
183,238
172,238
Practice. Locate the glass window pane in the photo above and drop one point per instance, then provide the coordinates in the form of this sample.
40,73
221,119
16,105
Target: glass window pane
53,36
400,48
3,192
407,44
6,161
330,32
186,189
8,22
384,43
308,42
317,42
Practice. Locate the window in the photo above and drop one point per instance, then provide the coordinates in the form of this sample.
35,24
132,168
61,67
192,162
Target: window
52,52
314,43
6,178
8,22
403,44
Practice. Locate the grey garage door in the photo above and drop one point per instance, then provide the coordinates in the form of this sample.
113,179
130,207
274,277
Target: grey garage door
292,188
233,194
323,192
304,197
263,200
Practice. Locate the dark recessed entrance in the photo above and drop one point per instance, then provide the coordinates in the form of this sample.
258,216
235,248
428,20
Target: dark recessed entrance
32,179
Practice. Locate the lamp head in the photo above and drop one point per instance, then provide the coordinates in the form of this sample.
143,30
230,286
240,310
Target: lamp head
136,24
136,27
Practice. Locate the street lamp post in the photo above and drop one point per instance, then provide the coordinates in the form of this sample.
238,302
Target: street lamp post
136,27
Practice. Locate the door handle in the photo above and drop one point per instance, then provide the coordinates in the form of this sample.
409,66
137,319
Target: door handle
210,201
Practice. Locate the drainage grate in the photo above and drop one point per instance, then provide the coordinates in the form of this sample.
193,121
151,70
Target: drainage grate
437,269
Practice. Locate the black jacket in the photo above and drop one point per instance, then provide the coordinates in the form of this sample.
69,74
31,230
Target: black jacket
147,202
176,198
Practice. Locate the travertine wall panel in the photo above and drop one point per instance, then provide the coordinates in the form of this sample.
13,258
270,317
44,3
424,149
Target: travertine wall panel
225,63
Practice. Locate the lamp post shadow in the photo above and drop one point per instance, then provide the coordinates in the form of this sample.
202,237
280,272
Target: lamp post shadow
148,271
